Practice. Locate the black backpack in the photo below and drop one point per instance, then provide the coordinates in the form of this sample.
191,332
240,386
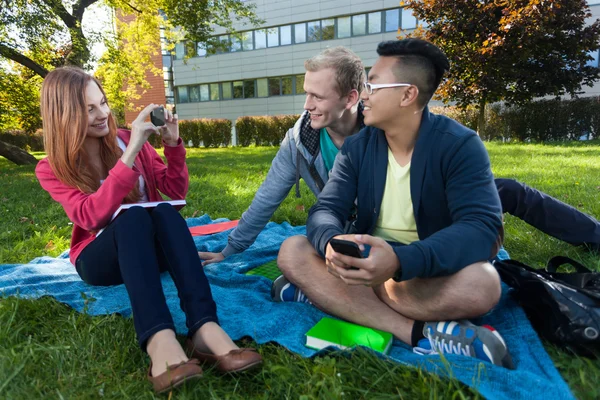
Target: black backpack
564,308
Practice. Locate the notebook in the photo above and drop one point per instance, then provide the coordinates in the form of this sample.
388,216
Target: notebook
178,204
344,335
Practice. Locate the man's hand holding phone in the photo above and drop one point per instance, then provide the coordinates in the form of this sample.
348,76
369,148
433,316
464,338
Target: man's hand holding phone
380,266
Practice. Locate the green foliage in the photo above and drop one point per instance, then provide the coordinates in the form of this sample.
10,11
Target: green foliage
201,132
24,140
263,130
20,100
539,121
511,51
47,347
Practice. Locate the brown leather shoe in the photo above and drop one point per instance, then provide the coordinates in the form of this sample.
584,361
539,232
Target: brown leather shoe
175,375
235,361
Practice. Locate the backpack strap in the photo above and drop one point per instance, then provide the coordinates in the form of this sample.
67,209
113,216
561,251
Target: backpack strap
584,278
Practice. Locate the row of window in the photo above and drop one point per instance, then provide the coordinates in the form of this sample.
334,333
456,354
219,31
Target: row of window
312,31
244,89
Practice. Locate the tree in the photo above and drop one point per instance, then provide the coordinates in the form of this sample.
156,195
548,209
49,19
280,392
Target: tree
44,34
510,50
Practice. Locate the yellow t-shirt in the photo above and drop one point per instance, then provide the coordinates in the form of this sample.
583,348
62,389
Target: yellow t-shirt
396,220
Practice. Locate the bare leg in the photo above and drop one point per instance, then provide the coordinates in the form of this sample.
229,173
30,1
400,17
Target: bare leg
469,293
164,349
302,265
392,307
212,339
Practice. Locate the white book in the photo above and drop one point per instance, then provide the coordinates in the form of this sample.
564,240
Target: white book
178,204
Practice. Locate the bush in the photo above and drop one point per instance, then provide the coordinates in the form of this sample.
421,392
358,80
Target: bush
264,130
23,140
205,131
538,121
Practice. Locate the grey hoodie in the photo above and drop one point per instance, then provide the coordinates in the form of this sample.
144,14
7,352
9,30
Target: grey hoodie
298,157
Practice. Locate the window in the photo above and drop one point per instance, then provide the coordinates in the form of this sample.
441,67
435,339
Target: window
238,90
190,49
179,51
247,41
300,33
286,85
194,94
223,44
204,96
314,31
594,61
263,87
260,39
408,19
167,75
166,61
328,29
300,84
286,35
236,44
392,21
375,22
274,89
344,27
214,92
226,88
201,50
182,94
359,25
273,37
249,89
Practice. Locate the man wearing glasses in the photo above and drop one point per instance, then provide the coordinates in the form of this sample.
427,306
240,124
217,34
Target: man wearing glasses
333,82
427,207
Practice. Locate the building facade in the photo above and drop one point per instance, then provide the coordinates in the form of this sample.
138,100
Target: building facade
262,71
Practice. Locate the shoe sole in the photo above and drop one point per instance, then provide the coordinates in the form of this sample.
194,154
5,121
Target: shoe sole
181,382
245,368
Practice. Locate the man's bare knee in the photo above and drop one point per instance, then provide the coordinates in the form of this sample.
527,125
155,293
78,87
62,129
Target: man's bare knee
293,253
485,283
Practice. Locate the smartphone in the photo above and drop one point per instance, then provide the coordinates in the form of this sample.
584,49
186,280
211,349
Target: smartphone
157,117
346,247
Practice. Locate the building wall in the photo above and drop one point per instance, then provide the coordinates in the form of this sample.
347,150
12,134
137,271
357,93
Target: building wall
276,61
285,60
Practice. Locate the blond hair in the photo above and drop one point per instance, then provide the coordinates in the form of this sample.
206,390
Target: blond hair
348,67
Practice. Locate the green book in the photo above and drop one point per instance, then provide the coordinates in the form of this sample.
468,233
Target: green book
268,270
344,335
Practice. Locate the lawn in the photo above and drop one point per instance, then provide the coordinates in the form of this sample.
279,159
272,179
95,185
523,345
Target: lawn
48,350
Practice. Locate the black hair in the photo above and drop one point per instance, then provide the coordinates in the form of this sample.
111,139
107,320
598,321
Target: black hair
423,62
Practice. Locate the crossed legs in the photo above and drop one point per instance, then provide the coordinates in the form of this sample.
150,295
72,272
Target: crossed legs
393,306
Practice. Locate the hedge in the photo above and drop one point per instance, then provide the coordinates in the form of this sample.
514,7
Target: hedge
205,131
264,130
23,140
539,121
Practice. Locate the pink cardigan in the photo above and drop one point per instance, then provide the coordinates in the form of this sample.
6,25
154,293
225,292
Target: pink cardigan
92,212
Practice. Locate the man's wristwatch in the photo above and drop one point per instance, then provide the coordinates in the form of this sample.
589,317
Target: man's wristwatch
398,275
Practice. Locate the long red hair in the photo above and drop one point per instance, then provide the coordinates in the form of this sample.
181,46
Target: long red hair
64,117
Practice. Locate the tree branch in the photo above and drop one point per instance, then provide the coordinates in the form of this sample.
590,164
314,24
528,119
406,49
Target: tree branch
25,61
60,10
79,8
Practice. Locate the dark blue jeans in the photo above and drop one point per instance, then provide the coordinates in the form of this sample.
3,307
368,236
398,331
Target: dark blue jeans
134,249
548,214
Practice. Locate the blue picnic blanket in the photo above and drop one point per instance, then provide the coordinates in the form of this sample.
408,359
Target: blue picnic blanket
245,309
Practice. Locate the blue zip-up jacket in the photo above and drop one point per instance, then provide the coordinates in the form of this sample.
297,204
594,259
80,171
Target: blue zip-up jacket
456,205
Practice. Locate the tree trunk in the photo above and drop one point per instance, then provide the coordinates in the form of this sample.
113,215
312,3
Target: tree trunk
16,155
481,118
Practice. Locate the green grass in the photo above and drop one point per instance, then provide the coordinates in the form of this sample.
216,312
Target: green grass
49,351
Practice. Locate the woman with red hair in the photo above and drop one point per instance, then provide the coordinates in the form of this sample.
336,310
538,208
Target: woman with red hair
91,169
